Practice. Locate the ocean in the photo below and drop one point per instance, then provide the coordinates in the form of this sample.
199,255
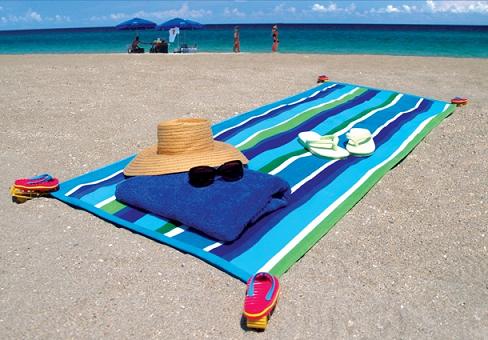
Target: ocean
415,40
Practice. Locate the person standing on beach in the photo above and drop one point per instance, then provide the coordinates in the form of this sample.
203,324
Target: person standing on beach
274,33
237,41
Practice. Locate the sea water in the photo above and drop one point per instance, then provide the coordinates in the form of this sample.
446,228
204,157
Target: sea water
417,40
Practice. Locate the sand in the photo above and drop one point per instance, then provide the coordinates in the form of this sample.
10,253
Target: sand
410,260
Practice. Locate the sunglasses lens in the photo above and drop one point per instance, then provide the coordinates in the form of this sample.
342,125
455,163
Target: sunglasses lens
231,171
201,176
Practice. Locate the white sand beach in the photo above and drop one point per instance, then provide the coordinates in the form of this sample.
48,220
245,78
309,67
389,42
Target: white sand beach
410,260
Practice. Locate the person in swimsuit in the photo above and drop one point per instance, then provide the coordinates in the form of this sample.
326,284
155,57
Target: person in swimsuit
237,41
274,32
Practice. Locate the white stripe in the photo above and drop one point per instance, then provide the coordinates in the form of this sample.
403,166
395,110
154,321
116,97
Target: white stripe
274,108
174,232
288,162
445,107
249,119
94,182
316,221
298,114
106,201
312,175
212,246
377,131
354,122
292,159
302,99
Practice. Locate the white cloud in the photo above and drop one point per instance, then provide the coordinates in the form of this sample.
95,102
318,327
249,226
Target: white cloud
234,12
29,16
409,9
118,16
33,16
332,7
388,9
437,6
59,18
392,9
281,8
1,8
351,8
457,6
184,12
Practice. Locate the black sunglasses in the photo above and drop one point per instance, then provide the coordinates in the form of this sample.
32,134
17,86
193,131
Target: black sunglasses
201,176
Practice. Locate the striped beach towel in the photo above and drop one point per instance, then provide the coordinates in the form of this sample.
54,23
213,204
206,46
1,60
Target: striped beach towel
323,190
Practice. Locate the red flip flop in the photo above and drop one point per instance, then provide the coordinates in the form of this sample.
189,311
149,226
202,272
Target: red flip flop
261,298
322,78
459,101
41,183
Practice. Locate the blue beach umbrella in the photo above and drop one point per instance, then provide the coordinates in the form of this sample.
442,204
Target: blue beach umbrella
182,24
136,24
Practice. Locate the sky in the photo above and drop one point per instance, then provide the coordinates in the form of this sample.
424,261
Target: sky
61,14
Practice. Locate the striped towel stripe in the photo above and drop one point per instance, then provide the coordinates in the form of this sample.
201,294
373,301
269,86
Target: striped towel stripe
323,190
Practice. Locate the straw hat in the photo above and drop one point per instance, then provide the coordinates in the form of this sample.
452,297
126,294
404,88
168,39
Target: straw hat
182,144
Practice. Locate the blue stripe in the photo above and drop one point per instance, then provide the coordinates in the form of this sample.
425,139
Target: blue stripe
268,123
294,172
302,195
91,176
324,127
286,136
150,222
194,238
243,116
277,111
83,191
130,214
315,197
100,194
254,257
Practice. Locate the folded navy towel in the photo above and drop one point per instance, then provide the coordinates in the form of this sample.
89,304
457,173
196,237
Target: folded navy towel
221,210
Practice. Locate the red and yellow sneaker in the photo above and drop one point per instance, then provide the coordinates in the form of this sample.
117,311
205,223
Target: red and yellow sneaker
261,298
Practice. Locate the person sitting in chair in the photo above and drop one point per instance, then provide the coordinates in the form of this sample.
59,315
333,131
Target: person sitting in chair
159,46
135,46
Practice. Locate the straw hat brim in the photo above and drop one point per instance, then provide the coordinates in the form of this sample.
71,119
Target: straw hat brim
149,162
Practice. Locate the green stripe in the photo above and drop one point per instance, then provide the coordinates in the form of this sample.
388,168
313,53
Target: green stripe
280,160
364,113
297,120
113,207
315,235
165,228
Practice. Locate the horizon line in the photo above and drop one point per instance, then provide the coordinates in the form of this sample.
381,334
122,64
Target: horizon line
242,24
